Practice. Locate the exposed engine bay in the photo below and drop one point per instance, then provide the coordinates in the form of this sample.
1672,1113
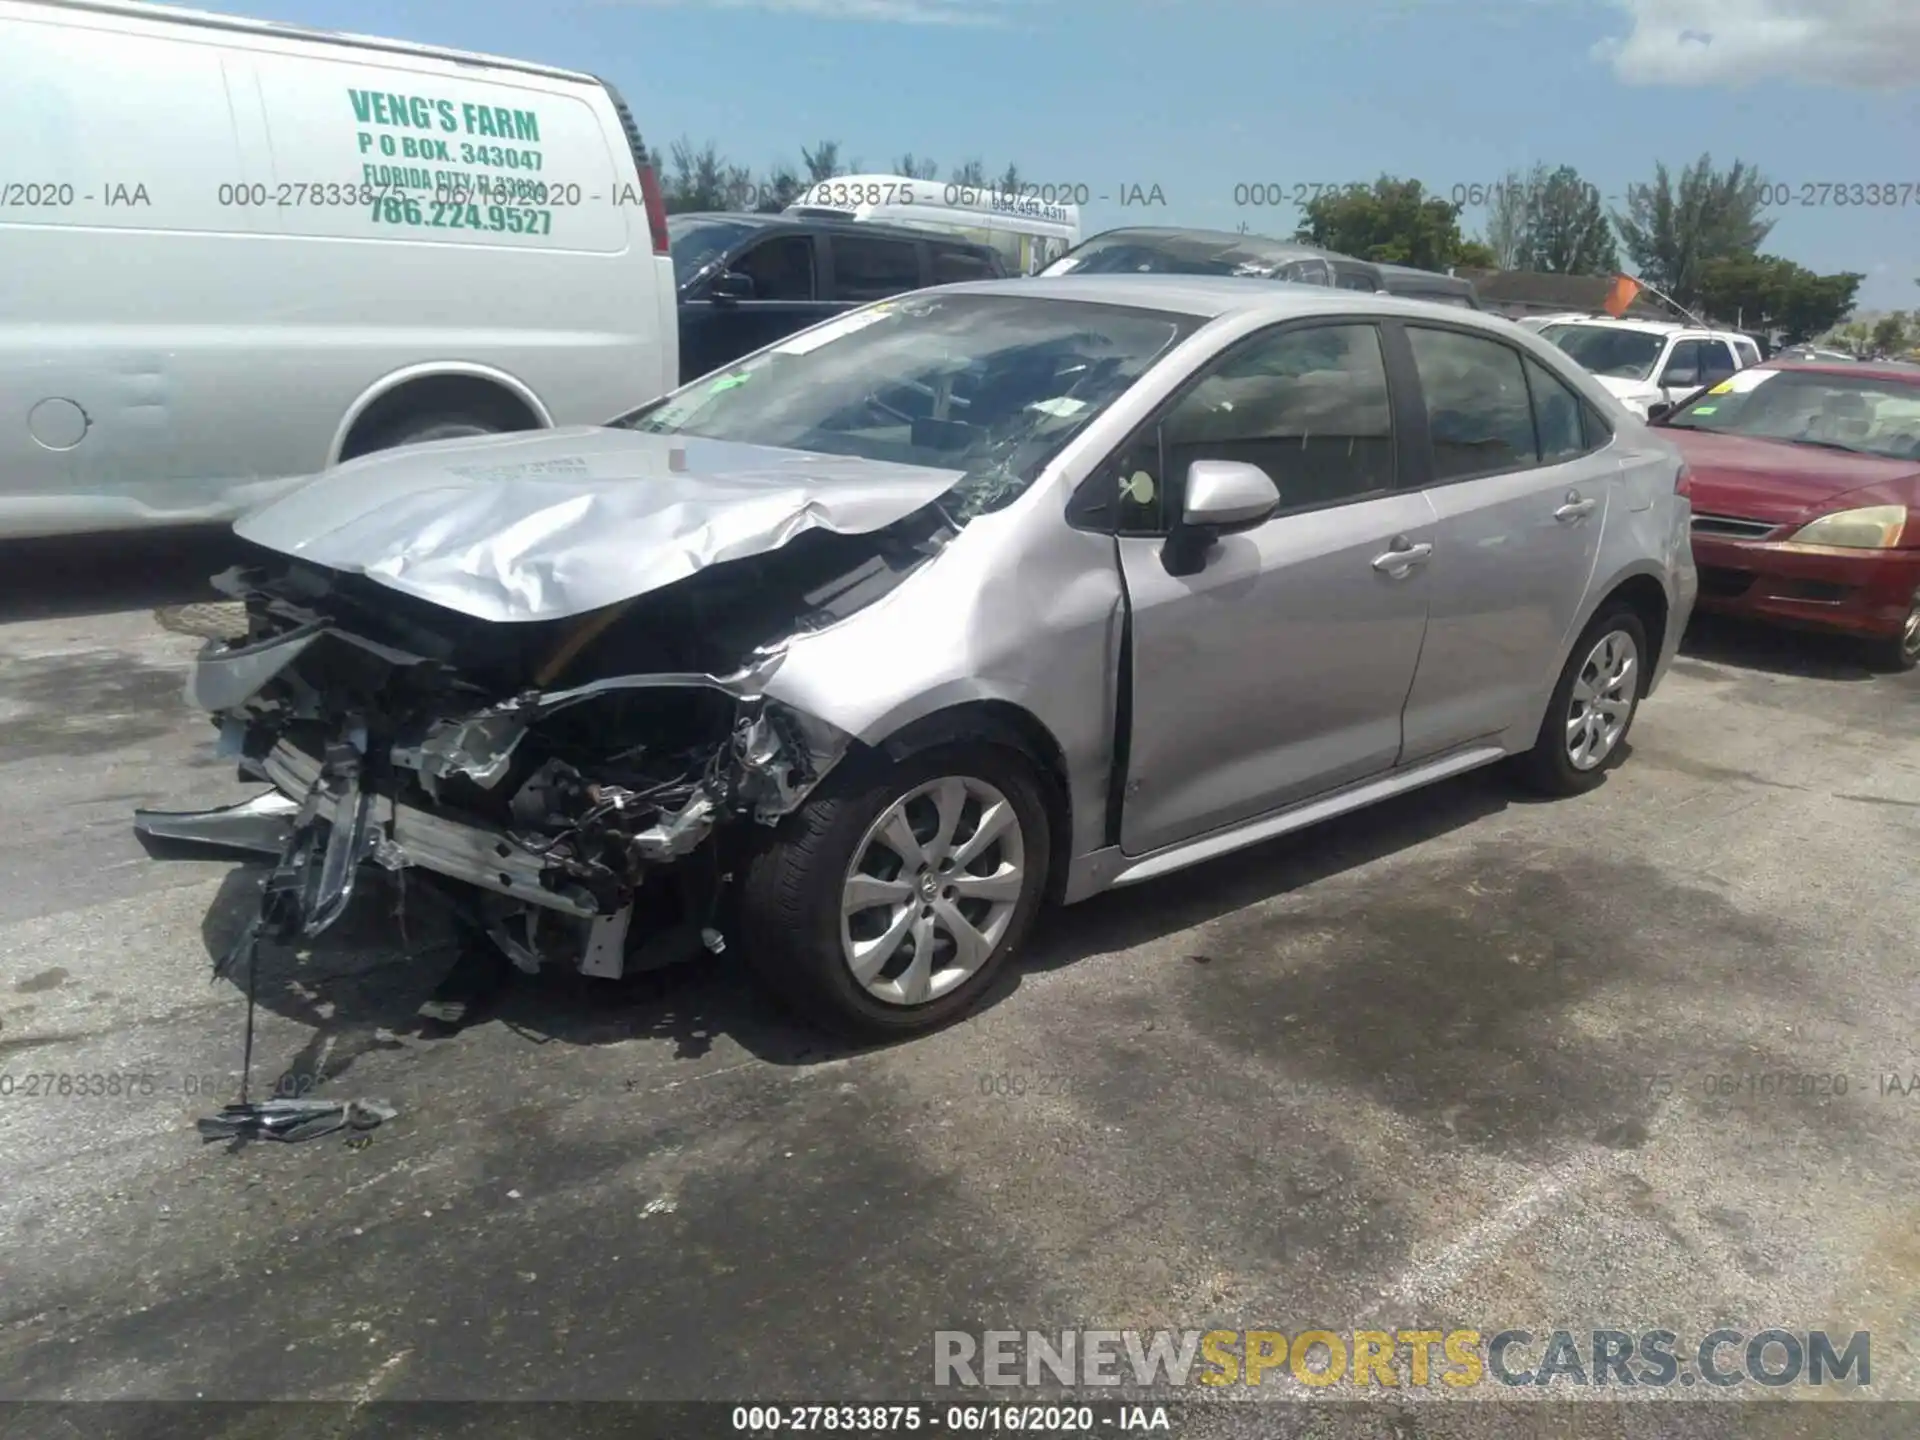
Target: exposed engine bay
584,781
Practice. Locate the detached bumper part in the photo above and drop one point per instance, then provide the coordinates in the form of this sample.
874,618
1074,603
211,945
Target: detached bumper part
261,825
293,1120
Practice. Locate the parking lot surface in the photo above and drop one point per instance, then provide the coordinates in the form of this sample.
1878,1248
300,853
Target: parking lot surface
1465,1060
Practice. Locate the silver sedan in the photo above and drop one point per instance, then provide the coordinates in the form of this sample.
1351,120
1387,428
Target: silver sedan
854,655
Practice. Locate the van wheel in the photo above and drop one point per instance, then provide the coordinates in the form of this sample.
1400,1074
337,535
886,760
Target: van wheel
1585,730
421,429
887,903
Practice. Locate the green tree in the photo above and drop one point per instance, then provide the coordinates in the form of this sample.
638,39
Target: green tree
973,172
1508,214
1566,230
822,162
1476,255
1674,229
1890,333
781,187
1009,181
916,168
702,179
1768,292
1395,223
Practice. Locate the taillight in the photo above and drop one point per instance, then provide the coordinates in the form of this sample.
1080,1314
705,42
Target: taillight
1683,483
656,210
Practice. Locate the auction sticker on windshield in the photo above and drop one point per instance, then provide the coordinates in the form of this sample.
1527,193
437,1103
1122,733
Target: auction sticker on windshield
1743,382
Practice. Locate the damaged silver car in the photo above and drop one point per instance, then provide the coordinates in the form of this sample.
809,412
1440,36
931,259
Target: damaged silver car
852,655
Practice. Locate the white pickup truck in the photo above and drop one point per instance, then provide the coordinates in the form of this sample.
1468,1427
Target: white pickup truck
1648,362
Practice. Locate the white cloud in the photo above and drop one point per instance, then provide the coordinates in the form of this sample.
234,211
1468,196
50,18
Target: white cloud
1860,44
897,12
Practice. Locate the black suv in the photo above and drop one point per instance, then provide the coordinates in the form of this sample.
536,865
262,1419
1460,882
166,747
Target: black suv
747,280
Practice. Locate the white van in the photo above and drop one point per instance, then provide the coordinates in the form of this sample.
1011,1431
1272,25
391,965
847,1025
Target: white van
234,252
1031,228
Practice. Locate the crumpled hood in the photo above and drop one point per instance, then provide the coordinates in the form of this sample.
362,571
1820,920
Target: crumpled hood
543,525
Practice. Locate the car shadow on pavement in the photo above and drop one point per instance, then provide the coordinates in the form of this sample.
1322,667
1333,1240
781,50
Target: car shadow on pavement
359,987
1135,915
1749,645
69,576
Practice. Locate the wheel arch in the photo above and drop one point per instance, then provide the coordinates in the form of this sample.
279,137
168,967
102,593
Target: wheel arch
996,721
430,383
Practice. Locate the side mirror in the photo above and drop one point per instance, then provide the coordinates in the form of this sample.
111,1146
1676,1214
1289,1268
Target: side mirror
1222,497
1679,378
731,285
1660,409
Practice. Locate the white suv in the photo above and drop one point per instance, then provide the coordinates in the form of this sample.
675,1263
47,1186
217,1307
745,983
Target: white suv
1650,362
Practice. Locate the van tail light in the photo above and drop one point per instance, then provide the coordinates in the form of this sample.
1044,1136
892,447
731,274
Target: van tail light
656,210
642,162
1683,483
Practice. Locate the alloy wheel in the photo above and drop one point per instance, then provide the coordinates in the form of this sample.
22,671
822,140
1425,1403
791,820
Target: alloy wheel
932,889
1602,702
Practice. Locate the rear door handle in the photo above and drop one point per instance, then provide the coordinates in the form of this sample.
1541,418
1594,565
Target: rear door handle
1574,509
1402,558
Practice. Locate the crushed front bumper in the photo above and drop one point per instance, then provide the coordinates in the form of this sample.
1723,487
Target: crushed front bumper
393,835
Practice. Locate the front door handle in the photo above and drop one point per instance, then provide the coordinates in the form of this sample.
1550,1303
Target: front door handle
1402,558
1574,509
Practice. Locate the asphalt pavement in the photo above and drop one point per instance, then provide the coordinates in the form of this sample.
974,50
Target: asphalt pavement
1465,1060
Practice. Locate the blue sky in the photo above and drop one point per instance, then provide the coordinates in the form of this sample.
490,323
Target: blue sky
1200,96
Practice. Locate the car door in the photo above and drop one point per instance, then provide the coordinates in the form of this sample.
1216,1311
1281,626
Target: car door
1280,669
1520,484
783,294
865,268
1679,372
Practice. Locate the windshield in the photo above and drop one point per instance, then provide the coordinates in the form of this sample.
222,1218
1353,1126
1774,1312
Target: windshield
1620,354
1130,252
698,241
989,385
1867,415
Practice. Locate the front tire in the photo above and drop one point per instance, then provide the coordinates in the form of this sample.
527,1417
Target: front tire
887,904
1901,652
1585,730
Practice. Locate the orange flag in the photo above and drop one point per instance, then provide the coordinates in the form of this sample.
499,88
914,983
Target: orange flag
1625,291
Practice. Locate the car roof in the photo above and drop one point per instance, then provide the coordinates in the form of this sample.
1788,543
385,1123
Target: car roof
1212,296
1868,369
1409,274
139,10
1660,327
786,221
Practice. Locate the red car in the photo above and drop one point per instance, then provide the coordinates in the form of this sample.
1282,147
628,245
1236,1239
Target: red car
1806,498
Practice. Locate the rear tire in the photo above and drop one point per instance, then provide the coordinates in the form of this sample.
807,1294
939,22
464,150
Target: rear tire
423,429
1584,735
802,920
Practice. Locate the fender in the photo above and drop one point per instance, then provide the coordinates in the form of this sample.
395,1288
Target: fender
427,370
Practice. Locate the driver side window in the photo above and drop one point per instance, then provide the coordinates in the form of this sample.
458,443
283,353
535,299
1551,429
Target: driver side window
1308,405
1683,359
781,269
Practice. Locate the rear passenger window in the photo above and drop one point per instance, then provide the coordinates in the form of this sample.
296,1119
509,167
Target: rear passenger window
951,266
1479,414
866,269
1556,415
